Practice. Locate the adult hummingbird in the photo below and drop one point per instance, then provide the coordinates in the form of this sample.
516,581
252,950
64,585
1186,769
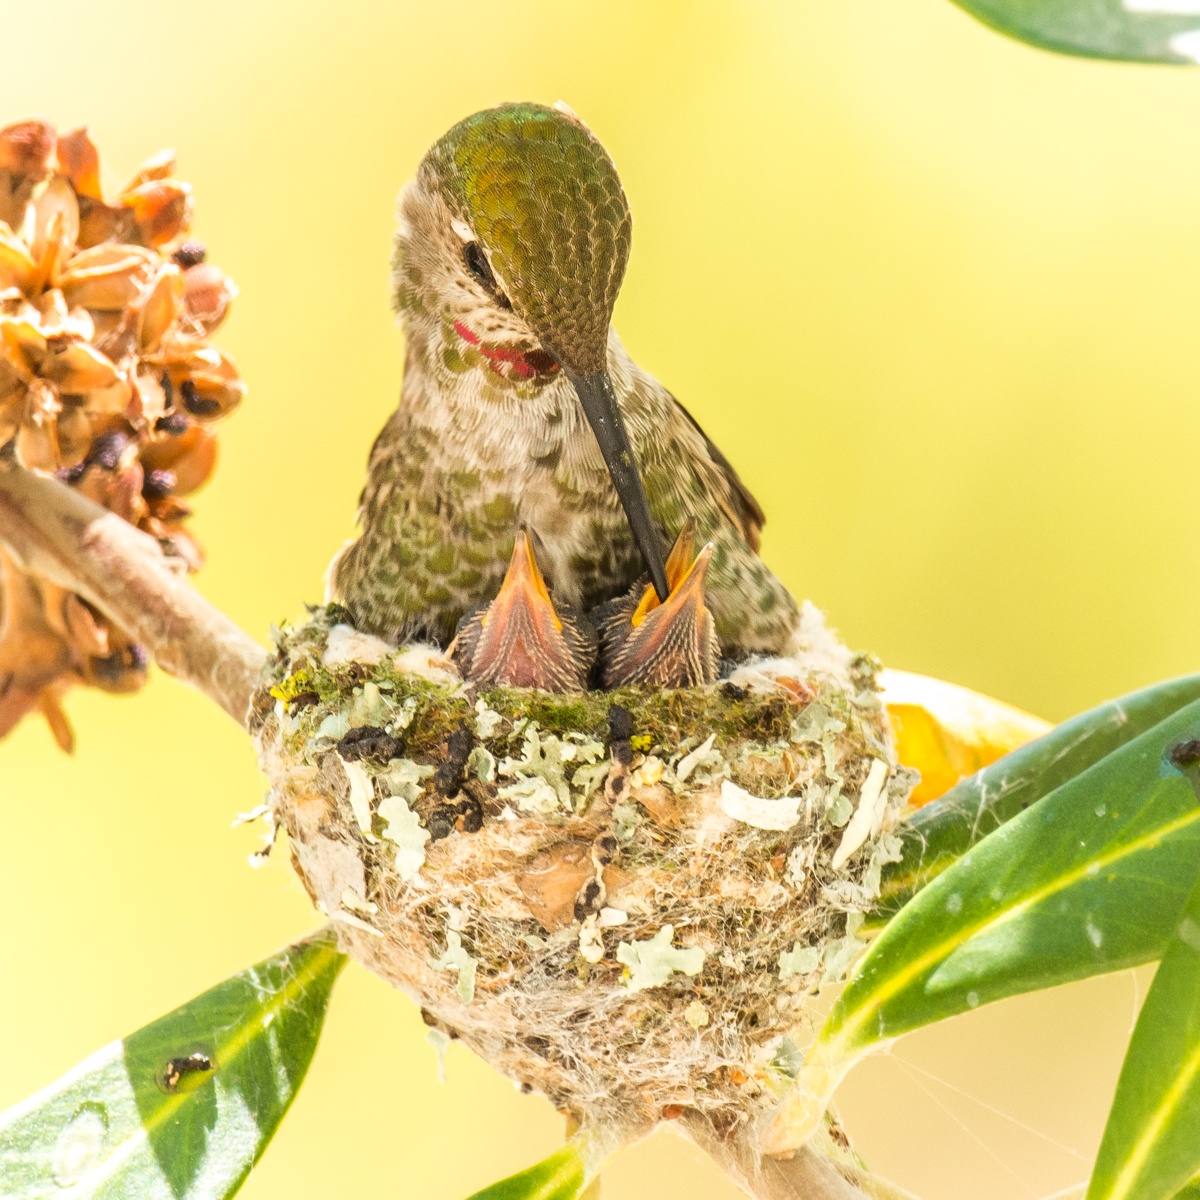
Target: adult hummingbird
521,409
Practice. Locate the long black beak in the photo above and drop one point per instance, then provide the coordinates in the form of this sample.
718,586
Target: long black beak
600,407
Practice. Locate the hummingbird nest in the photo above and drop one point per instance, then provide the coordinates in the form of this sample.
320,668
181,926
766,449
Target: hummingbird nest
619,899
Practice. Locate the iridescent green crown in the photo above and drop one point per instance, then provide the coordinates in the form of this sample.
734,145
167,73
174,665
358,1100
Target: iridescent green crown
546,204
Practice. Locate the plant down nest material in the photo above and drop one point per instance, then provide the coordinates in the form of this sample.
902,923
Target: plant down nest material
619,899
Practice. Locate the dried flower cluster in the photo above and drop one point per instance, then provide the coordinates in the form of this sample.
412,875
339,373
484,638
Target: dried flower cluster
106,378
619,899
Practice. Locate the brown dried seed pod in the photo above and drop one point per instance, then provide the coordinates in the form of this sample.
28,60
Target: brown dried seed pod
125,494
84,628
207,400
205,381
149,400
98,482
24,341
79,161
109,402
33,656
10,414
76,368
27,148
107,277
17,268
36,443
160,306
26,155
208,294
191,456
122,670
74,429
100,223
14,369
55,226
55,321
101,352
158,490
162,210
179,542
49,704
157,166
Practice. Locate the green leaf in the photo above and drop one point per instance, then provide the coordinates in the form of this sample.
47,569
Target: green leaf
184,1107
943,831
562,1176
1151,1144
1166,31
1092,878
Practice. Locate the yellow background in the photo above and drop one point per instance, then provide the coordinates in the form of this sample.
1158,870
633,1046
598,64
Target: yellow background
933,292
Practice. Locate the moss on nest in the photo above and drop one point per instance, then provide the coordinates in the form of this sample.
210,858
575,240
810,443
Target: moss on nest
620,899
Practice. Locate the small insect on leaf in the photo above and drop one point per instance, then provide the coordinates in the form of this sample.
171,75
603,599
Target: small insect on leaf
184,1107
1185,753
188,1072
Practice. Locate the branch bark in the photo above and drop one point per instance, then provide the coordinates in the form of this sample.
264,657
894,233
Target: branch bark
54,532
807,1175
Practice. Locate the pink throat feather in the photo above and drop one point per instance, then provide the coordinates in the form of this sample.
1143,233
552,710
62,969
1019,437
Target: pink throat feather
523,364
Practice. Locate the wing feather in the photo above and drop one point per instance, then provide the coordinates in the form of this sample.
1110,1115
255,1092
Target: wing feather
746,514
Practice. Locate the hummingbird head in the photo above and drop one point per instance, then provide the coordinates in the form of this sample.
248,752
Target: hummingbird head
519,215
543,219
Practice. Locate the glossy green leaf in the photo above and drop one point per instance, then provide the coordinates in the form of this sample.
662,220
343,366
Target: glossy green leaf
1166,31
1151,1144
562,1176
1092,878
943,831
183,1108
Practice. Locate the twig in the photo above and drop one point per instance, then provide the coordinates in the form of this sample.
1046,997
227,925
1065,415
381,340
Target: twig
54,532
805,1176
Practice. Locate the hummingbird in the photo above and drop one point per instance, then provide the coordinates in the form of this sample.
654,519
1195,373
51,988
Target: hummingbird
521,409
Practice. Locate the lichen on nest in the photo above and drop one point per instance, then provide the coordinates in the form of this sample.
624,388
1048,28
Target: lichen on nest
620,899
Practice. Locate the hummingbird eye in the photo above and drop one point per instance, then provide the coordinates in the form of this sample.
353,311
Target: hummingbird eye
476,262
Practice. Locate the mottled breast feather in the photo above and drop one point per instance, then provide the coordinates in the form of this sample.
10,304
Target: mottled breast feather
546,204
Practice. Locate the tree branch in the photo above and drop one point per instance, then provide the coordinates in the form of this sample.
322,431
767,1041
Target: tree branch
807,1175
54,532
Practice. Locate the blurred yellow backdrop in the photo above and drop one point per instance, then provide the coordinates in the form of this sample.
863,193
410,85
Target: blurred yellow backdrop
933,292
